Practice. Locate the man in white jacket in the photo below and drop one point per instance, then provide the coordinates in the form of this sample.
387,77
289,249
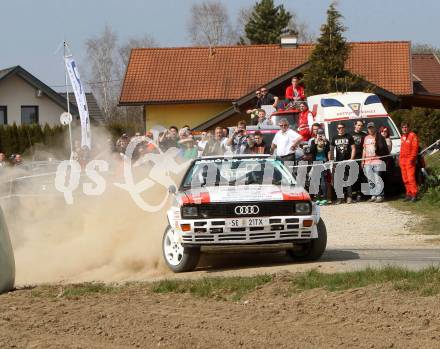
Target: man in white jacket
285,141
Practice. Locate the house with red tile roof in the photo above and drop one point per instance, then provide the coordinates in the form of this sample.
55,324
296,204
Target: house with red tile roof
426,81
206,87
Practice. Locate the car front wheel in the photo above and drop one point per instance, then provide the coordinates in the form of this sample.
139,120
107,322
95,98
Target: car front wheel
312,250
178,258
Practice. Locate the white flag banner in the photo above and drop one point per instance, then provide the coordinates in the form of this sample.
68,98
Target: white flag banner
81,101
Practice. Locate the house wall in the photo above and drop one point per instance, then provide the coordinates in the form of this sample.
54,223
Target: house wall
15,92
232,121
182,114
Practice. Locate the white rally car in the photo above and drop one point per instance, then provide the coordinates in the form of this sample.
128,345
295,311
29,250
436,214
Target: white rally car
238,201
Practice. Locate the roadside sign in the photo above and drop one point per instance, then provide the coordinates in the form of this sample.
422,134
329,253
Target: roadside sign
66,118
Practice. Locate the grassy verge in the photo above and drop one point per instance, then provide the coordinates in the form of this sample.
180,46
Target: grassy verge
430,225
429,205
73,291
425,282
233,288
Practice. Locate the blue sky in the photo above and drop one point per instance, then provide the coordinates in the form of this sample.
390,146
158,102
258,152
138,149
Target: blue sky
31,30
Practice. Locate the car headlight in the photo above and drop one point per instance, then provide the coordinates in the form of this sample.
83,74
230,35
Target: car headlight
189,212
302,208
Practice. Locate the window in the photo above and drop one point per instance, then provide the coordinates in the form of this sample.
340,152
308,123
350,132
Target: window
372,100
29,114
3,115
330,102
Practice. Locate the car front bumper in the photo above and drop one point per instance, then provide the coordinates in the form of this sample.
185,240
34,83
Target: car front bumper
215,231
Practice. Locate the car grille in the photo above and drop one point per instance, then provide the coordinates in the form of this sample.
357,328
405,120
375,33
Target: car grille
227,210
216,232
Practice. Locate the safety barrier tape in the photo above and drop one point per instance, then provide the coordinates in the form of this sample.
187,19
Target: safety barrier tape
331,163
327,164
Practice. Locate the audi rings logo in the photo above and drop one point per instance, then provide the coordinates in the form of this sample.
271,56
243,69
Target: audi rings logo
251,209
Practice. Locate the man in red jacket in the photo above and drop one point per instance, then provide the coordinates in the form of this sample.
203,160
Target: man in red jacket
295,92
408,157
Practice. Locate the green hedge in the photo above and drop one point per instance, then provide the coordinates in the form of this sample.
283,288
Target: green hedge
116,129
17,139
425,122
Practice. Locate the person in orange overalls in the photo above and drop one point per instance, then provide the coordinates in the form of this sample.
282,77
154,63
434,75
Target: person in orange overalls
408,157
305,121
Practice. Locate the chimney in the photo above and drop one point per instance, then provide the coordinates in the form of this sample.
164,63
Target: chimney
289,38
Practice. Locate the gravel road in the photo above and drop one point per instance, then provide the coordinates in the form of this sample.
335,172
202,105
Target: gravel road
102,247
371,225
359,235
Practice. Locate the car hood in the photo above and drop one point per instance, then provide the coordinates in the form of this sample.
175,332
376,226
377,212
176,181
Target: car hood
244,193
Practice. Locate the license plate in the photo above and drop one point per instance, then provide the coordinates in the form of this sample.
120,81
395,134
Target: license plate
247,222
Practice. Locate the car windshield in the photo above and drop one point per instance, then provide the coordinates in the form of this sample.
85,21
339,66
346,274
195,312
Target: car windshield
237,171
349,126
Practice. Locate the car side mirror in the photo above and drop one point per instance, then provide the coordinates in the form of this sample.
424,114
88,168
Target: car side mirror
172,189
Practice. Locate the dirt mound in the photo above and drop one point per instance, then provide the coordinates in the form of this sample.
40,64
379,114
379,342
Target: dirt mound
270,317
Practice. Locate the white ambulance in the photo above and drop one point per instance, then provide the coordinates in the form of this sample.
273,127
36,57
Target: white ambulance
333,108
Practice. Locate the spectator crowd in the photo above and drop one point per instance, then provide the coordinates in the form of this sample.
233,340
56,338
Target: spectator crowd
368,147
15,160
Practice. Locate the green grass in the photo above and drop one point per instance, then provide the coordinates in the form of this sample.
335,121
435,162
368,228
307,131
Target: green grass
429,205
86,289
425,282
73,291
425,208
233,288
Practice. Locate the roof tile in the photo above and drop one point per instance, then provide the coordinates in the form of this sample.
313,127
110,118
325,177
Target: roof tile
184,74
426,67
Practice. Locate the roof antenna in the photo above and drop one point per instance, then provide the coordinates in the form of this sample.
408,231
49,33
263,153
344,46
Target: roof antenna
336,83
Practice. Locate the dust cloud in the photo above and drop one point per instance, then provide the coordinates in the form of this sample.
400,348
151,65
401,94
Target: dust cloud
99,238
105,238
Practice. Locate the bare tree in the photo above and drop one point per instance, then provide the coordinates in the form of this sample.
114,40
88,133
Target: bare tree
425,48
301,28
209,24
107,61
102,59
125,49
243,17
